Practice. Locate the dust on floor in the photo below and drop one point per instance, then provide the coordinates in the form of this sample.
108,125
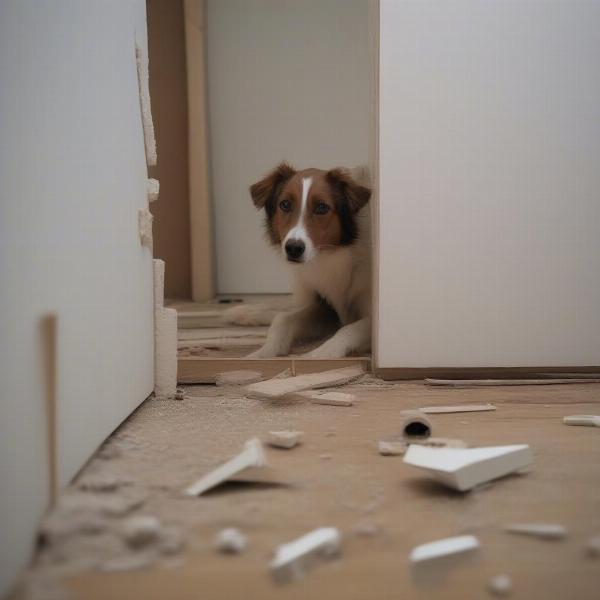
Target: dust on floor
337,478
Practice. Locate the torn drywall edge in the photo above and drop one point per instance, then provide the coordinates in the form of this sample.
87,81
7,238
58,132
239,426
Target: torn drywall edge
145,219
153,189
141,59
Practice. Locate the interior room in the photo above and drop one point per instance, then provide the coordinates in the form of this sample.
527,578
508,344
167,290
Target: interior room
300,299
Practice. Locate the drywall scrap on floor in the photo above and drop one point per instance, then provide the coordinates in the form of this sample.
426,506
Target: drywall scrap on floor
548,531
165,339
284,439
443,548
582,420
463,469
153,189
277,388
433,410
500,382
141,59
251,456
294,558
330,398
230,541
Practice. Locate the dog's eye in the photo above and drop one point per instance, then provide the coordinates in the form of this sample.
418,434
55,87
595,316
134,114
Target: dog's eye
285,205
321,209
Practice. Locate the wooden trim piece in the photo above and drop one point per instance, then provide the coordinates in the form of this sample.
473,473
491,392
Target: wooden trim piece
199,369
401,373
203,288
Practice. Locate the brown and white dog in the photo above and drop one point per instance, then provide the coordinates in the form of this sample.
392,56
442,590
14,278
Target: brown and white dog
314,219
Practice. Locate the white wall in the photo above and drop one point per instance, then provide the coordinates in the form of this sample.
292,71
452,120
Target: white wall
490,179
72,178
287,79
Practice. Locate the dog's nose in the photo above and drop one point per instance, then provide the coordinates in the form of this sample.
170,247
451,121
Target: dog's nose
294,249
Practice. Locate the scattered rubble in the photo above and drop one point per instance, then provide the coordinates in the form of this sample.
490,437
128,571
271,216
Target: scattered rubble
547,531
230,541
141,530
464,468
432,410
443,548
284,439
500,585
392,448
332,398
294,558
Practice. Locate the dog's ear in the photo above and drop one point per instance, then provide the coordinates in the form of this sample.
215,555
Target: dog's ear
355,194
262,191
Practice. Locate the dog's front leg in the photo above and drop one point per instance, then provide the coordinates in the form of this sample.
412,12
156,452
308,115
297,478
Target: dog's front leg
355,337
285,329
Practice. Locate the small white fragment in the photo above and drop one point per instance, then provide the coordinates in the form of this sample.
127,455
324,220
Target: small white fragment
432,410
141,530
230,541
548,531
593,546
445,547
500,585
153,188
584,420
284,439
251,456
392,448
464,468
294,558
333,399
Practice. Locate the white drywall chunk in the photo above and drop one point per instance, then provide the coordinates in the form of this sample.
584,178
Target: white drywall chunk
549,531
241,377
583,420
284,439
500,585
141,59
165,352
141,530
464,468
145,226
153,189
276,388
392,448
294,558
445,547
159,283
230,541
431,410
251,456
333,399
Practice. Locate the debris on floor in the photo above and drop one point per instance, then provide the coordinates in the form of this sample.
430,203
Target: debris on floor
500,585
331,398
432,410
230,541
277,388
251,456
294,558
445,547
593,547
546,531
583,420
464,468
392,448
284,439
242,377
141,530
415,425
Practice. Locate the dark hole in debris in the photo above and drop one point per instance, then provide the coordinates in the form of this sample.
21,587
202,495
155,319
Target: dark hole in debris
417,429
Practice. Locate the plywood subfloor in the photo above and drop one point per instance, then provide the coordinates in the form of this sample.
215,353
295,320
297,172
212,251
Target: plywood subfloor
342,481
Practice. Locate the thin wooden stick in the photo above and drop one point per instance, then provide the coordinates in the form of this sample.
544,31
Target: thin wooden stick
491,382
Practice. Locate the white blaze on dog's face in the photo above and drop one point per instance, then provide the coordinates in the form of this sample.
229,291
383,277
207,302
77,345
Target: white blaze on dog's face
309,211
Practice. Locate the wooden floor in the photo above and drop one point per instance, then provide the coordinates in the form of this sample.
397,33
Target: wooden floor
341,480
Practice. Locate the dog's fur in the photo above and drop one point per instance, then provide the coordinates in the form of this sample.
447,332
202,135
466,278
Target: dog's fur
319,221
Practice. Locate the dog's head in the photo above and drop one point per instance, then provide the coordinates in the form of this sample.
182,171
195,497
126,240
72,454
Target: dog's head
309,211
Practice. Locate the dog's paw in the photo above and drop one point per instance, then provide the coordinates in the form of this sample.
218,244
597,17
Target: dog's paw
248,315
326,351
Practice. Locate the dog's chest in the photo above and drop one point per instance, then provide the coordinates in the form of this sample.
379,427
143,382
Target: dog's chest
330,276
